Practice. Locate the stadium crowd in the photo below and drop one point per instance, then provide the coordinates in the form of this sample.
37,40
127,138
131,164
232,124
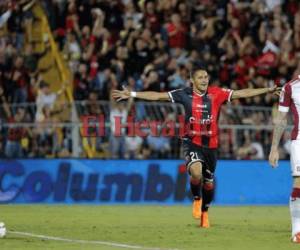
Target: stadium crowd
152,45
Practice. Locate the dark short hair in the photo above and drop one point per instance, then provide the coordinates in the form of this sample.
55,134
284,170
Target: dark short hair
195,70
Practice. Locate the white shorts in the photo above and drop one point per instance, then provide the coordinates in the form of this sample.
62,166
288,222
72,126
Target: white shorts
295,157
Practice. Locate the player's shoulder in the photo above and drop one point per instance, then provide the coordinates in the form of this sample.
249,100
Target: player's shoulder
211,89
188,90
294,81
216,89
185,90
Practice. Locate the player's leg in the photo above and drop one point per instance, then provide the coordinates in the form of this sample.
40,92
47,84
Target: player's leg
195,171
207,197
194,168
295,209
208,187
295,196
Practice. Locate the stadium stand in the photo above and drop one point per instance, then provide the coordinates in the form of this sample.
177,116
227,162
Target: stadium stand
93,47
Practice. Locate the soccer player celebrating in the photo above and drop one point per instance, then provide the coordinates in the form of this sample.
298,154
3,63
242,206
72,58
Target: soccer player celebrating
202,104
290,99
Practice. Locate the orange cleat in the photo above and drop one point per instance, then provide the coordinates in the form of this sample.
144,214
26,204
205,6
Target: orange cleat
204,220
296,238
197,209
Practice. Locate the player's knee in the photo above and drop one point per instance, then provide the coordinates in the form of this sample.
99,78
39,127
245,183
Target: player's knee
209,186
196,170
195,181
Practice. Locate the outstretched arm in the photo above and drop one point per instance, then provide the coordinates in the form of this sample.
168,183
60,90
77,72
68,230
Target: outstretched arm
145,95
244,93
280,123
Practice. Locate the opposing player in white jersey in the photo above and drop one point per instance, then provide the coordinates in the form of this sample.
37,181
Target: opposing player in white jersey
290,100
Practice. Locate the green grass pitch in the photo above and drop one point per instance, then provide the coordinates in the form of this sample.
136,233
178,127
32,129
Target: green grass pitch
163,227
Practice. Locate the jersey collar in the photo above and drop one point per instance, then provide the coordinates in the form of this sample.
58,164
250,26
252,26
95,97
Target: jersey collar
199,94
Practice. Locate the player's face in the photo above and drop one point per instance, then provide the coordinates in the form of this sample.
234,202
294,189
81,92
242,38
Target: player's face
200,80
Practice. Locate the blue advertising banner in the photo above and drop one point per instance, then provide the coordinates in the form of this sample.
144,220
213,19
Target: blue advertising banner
137,182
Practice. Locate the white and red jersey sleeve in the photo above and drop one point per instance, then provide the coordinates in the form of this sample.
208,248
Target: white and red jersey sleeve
290,100
285,98
225,94
221,94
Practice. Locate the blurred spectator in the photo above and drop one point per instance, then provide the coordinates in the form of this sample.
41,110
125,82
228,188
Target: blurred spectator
13,145
31,59
15,26
46,132
4,17
159,146
119,112
152,82
133,145
19,81
176,32
250,150
92,105
179,78
46,98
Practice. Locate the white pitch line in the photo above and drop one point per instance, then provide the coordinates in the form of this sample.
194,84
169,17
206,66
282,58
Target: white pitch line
95,242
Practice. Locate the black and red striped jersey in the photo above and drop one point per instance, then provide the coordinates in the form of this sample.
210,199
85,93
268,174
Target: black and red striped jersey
202,113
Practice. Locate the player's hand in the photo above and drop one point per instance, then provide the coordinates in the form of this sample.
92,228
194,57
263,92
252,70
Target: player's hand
273,158
121,94
275,90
